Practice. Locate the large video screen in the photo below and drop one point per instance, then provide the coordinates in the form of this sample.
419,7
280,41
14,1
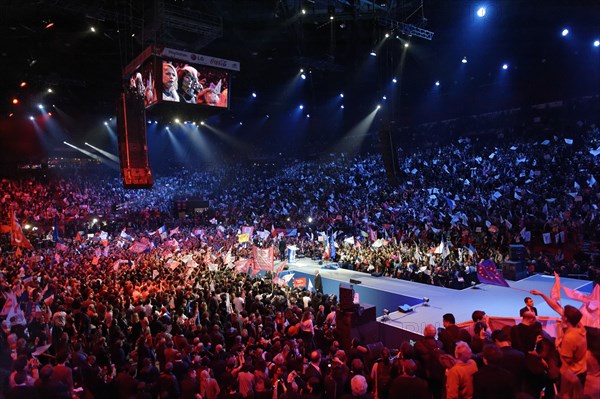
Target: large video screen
142,81
193,84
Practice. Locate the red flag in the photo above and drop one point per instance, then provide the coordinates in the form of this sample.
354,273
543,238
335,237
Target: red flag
372,234
280,267
488,274
78,237
241,265
273,231
17,238
263,258
555,291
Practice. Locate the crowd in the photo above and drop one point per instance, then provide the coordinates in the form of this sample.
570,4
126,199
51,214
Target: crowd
120,295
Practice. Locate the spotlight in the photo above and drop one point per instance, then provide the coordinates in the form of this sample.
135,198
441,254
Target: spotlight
254,95
309,219
49,90
31,118
331,17
40,106
105,123
384,98
481,12
405,45
505,66
373,54
23,84
303,76
342,95
564,32
92,29
176,120
596,43
27,226
378,106
387,35
155,122
49,113
464,60
301,70
386,315
303,11
149,122
15,101
394,80
301,106
241,123
437,82
49,25
308,115
342,106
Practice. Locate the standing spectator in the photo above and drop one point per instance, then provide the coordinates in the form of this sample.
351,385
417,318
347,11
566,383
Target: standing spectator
492,381
407,385
459,378
573,346
427,351
528,306
451,333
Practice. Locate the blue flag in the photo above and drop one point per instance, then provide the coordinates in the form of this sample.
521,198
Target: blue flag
55,232
332,245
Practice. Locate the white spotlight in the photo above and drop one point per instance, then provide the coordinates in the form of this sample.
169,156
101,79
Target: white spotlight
373,54
31,118
309,219
378,106
342,106
176,120
308,115
564,32
596,43
387,35
40,106
405,45
49,90
384,98
303,11
342,95
395,80
437,82
93,29
303,76
505,66
254,95
481,12
301,106
464,60
105,123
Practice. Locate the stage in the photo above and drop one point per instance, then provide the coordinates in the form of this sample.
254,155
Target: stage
389,293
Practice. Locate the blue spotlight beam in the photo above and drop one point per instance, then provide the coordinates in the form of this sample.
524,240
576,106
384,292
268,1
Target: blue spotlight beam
407,29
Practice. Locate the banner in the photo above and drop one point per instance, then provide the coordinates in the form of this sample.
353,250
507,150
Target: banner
263,258
300,282
489,274
17,238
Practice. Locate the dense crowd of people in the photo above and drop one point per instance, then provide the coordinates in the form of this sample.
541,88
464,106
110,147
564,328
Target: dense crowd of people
121,295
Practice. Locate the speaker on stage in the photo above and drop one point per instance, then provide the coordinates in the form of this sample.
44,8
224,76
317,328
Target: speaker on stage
133,148
353,281
376,274
517,252
514,271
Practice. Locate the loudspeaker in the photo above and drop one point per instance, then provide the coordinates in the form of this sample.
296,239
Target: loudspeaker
517,252
376,274
388,153
346,296
133,148
514,271
352,281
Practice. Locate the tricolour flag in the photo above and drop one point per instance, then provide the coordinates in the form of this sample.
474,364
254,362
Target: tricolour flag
488,274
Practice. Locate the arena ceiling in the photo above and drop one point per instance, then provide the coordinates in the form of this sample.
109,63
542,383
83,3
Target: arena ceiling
49,44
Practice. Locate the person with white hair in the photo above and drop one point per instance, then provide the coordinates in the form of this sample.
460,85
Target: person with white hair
459,378
169,80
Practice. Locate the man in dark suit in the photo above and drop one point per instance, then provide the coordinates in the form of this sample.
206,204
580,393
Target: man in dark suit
451,333
512,360
318,282
528,307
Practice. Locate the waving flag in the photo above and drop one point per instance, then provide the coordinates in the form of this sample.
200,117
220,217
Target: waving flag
241,265
263,258
17,238
555,291
488,274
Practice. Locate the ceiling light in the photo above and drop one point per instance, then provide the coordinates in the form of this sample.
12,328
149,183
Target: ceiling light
505,66
15,101
464,60
373,53
564,32
405,45
23,84
596,43
481,12
93,29
437,82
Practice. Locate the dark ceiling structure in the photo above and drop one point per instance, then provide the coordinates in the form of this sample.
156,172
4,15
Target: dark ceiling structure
49,44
